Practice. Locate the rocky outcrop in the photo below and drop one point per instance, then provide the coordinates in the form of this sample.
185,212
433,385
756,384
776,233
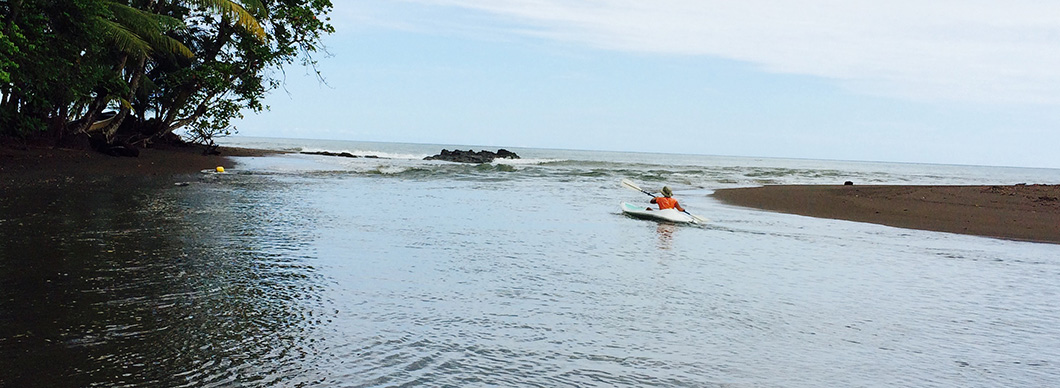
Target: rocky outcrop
342,154
470,156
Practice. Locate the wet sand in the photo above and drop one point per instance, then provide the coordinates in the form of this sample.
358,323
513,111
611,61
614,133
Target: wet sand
31,166
1018,212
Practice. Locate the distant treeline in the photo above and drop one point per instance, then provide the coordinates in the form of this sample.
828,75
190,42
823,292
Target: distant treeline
159,65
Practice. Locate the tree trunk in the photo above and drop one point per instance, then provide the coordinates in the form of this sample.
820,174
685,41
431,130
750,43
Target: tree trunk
123,112
99,103
169,121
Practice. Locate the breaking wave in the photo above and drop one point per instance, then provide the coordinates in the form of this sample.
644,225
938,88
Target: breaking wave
397,160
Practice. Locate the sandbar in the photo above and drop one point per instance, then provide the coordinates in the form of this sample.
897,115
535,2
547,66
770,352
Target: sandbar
1027,212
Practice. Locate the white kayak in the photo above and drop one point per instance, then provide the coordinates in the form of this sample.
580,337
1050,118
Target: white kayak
671,215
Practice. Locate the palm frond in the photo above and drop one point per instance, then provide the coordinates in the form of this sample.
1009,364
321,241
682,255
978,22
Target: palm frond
137,20
254,6
236,12
170,45
153,22
123,39
169,23
150,28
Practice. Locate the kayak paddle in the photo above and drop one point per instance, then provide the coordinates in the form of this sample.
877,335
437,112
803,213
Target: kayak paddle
628,183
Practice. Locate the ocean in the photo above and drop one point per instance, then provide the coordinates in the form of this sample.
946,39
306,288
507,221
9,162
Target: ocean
384,271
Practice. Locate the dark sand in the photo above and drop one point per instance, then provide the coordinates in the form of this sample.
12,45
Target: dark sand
1018,212
30,166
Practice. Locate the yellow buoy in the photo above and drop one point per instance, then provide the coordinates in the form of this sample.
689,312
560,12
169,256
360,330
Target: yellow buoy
220,169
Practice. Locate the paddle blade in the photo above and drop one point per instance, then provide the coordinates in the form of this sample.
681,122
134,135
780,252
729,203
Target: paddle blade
630,184
698,219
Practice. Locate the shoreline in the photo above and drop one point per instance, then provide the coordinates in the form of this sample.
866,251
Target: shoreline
33,166
1013,212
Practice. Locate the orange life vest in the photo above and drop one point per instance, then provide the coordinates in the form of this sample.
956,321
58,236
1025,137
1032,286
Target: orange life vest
666,202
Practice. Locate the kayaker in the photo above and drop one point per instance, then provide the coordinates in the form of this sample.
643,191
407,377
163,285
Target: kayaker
666,201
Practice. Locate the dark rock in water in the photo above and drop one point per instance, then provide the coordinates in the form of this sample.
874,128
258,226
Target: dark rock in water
326,153
470,156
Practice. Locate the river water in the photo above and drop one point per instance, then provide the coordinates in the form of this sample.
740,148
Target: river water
308,270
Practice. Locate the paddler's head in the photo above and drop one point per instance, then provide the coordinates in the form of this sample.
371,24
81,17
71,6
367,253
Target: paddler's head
667,192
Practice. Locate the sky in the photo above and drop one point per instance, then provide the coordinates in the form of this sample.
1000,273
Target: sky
951,82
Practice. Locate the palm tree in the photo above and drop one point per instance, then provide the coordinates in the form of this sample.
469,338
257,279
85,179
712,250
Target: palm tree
138,32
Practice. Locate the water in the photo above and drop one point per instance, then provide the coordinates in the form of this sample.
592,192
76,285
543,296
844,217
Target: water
304,270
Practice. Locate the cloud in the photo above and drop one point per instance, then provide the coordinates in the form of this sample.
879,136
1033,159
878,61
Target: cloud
970,51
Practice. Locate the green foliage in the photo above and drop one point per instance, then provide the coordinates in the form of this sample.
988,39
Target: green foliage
141,33
7,51
178,64
231,70
235,11
46,41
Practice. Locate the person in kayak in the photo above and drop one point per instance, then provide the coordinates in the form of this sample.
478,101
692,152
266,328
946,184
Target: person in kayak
666,201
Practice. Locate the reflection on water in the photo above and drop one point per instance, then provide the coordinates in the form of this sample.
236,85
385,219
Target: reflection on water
287,275
136,283
666,235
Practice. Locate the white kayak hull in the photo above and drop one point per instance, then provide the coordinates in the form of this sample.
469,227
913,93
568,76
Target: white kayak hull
669,215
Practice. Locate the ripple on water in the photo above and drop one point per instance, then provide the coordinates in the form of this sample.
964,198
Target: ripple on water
462,276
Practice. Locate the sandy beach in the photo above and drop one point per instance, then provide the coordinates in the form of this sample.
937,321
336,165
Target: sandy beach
1018,212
